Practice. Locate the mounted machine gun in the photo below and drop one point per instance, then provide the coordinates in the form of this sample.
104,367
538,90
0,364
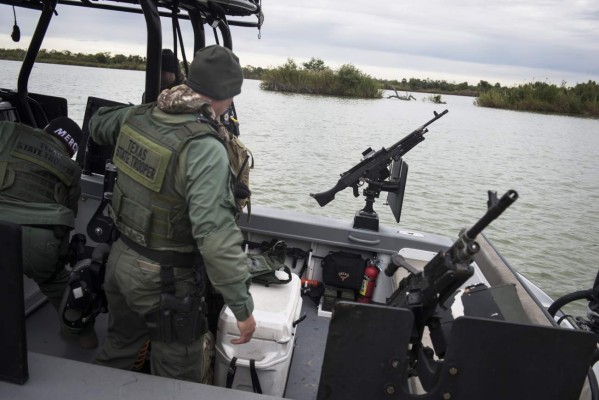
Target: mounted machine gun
374,170
422,292
376,351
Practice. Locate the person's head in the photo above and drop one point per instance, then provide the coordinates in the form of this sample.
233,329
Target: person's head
215,73
67,131
170,72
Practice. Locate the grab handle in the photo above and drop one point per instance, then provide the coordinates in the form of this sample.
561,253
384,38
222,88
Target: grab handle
363,241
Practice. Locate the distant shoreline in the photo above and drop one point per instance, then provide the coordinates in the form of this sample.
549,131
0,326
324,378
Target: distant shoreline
315,77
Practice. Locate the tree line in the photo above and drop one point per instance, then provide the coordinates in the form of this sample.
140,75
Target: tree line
316,77
65,57
315,65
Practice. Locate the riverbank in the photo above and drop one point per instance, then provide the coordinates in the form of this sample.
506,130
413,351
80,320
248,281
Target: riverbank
314,77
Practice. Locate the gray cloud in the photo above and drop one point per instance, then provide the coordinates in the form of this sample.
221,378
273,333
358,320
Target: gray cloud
463,40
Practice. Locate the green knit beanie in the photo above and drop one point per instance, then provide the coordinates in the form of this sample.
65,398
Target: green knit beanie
216,73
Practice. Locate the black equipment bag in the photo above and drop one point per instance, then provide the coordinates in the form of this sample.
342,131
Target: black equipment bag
343,270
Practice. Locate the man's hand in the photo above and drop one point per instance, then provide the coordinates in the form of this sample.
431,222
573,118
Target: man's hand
246,330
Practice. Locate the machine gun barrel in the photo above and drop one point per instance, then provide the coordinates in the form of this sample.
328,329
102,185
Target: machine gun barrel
493,212
370,167
423,291
465,247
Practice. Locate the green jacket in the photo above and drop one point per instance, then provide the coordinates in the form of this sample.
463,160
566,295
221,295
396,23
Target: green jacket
39,182
203,178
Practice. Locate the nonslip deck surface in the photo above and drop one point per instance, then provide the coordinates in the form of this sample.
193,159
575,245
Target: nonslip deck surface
43,337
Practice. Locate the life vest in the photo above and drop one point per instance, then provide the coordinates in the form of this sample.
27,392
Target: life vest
36,169
145,205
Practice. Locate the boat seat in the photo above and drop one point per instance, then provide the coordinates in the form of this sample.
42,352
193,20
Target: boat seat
92,157
492,267
485,359
416,258
499,273
13,341
44,108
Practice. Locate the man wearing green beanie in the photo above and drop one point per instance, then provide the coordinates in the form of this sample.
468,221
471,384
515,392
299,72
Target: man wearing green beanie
174,207
170,72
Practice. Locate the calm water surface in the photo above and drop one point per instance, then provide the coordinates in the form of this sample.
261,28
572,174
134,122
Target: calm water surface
302,143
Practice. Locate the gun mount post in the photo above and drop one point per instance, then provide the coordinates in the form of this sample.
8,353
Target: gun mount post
367,218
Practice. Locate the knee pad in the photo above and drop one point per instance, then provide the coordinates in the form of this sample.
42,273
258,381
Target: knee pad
84,296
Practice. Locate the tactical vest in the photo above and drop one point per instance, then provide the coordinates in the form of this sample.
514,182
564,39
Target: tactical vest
36,169
145,205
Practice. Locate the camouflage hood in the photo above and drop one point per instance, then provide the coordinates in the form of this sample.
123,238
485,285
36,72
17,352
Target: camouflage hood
182,99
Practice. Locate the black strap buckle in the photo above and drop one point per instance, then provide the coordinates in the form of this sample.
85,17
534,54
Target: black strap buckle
253,373
231,372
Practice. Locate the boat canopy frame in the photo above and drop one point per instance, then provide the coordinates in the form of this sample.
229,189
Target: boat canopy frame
214,13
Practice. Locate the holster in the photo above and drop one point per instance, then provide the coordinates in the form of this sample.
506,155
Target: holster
177,320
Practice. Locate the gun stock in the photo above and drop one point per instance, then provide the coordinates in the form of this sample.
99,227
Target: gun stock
324,198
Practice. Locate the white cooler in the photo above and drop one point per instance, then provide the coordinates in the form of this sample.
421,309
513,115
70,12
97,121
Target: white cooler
275,309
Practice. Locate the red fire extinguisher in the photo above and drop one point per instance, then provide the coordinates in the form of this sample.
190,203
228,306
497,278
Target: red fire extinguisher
371,272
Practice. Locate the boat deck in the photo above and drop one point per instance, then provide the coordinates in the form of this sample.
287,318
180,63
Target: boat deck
321,235
43,337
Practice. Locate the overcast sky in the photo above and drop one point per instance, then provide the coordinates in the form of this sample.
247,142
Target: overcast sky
506,41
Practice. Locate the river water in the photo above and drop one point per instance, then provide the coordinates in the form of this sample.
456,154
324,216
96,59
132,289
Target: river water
301,143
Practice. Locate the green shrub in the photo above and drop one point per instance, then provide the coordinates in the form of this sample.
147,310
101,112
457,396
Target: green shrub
582,99
316,78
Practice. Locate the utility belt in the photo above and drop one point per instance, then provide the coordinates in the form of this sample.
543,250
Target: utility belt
166,257
181,320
